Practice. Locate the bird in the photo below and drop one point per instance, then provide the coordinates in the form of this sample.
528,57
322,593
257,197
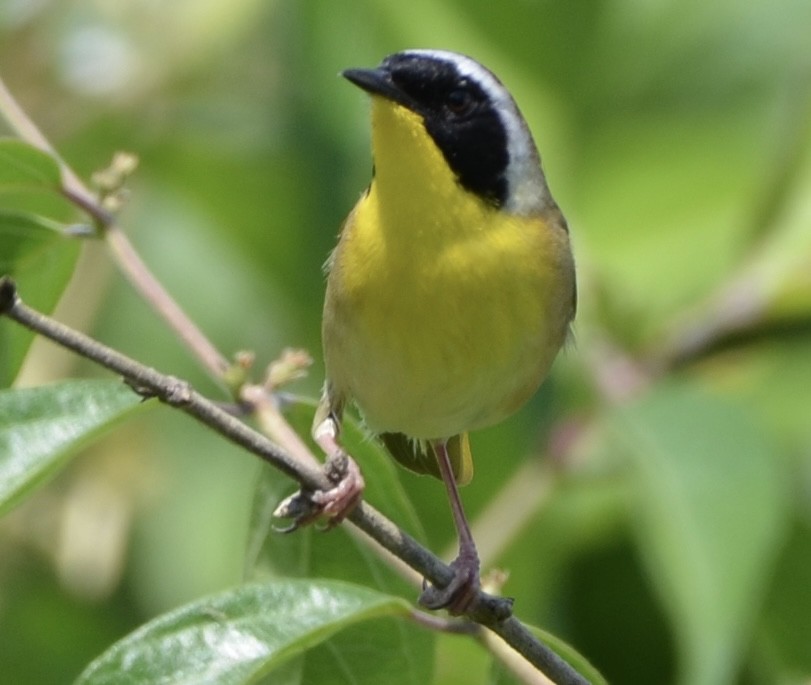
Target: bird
452,286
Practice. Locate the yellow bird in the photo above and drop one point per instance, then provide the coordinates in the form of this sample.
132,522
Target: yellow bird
452,286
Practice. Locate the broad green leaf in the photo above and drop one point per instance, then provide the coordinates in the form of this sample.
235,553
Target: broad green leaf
21,236
387,650
22,165
41,260
240,635
710,514
40,428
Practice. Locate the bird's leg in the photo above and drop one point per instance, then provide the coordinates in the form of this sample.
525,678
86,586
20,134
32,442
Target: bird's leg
335,503
458,594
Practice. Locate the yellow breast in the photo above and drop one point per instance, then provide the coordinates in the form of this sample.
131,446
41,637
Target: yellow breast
442,313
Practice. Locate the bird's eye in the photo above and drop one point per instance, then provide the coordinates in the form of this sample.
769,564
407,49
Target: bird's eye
460,101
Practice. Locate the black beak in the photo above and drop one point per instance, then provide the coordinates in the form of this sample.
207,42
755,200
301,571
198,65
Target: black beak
376,81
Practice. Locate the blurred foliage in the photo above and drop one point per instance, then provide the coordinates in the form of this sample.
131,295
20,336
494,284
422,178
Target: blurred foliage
652,503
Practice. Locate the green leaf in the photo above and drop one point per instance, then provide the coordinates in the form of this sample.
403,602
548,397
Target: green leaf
41,259
40,428
239,635
23,165
710,516
386,650
21,235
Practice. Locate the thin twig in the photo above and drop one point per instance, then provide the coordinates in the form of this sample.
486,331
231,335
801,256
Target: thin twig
149,383
179,394
123,253
266,411
21,124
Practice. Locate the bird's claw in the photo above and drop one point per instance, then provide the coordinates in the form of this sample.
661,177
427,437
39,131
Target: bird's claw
339,501
457,595
334,504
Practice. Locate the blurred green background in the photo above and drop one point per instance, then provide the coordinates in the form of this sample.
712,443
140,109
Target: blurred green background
675,136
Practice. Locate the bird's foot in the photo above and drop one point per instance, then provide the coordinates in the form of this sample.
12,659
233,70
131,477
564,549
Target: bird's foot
348,484
457,595
333,504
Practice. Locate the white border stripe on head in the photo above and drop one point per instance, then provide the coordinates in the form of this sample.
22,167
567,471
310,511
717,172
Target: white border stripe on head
523,174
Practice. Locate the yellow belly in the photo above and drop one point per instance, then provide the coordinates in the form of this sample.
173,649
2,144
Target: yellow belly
447,328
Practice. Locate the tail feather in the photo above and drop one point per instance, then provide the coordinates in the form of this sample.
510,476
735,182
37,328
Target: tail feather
418,455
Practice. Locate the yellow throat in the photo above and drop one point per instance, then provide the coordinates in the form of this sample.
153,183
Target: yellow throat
443,312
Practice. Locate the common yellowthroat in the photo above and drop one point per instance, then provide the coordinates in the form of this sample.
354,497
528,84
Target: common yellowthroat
452,286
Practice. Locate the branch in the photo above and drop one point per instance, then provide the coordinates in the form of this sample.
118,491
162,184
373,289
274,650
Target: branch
485,609
124,255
